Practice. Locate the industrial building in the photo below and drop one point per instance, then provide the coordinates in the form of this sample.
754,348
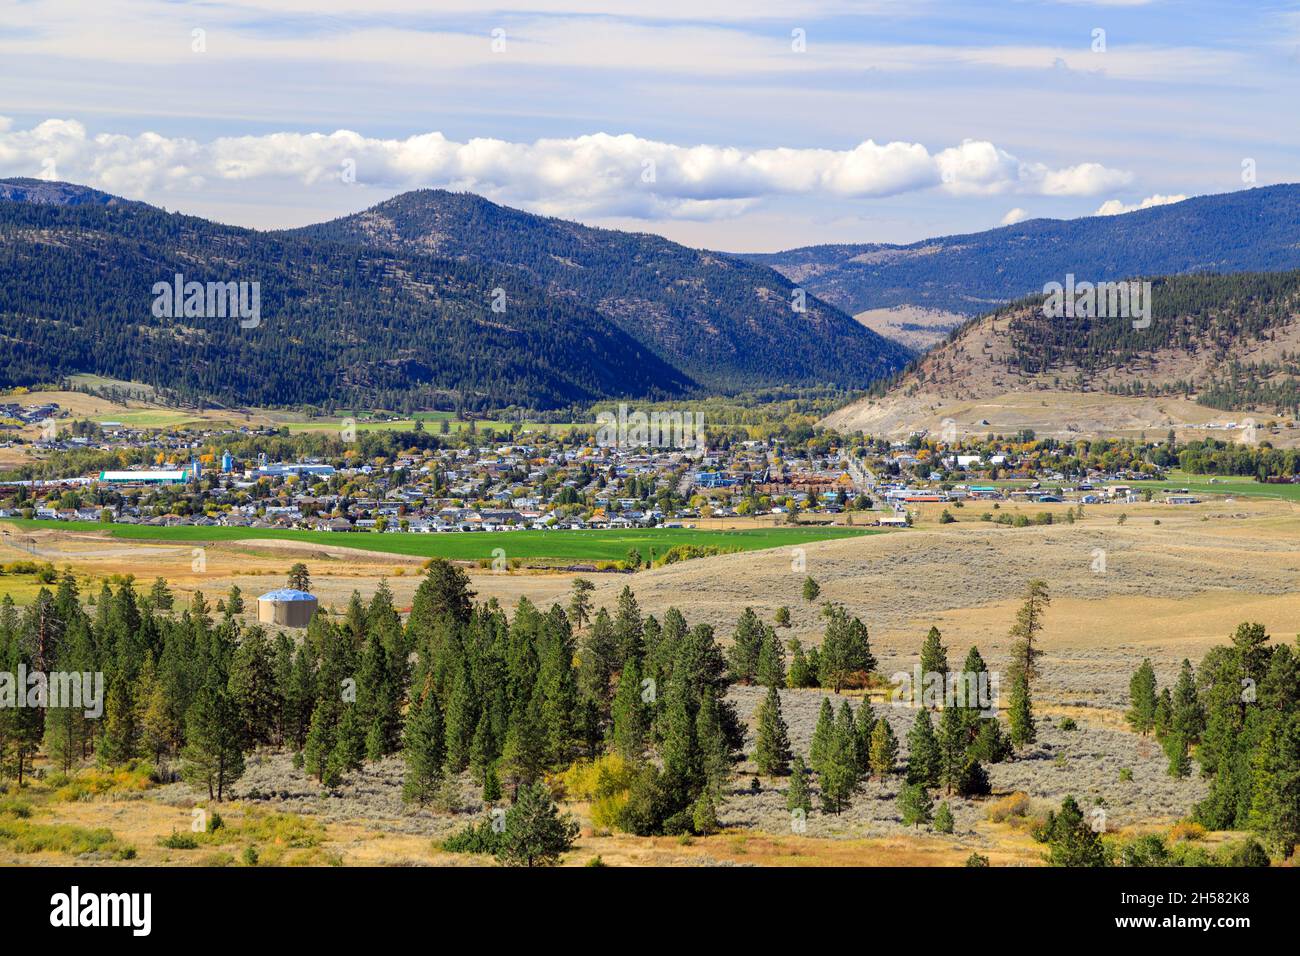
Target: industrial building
287,607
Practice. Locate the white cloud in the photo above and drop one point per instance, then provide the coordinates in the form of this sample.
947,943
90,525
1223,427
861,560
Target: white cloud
1113,207
1014,216
598,174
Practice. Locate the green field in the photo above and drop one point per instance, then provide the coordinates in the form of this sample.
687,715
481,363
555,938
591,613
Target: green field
1197,484
529,545
1225,485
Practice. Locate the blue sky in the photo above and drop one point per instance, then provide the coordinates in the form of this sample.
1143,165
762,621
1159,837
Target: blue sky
702,120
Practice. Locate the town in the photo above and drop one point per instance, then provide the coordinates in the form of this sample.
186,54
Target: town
416,482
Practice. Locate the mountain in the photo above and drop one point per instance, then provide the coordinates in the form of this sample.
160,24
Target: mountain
966,275
726,322
45,192
1213,342
340,325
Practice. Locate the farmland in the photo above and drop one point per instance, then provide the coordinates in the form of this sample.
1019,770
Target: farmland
587,545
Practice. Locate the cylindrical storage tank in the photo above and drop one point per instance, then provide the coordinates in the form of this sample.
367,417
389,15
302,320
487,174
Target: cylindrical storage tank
287,607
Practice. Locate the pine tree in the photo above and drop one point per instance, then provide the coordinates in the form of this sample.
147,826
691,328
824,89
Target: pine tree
299,578
523,756
1071,842
1142,696
801,672
1028,626
253,689
1275,809
772,749
118,738
1021,713
951,741
535,834
746,643
943,821
771,660
884,749
934,658
823,735
213,756
350,745
424,750
1164,714
811,589
924,759
797,797
629,714
914,804
580,602
839,774
865,724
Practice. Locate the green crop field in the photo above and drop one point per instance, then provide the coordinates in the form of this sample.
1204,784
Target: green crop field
610,545
1225,485
1197,484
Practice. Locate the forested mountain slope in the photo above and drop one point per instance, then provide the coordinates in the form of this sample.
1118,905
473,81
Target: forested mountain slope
339,324
727,323
1252,229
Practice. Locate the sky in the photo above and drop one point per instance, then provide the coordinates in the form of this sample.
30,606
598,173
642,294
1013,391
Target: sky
741,125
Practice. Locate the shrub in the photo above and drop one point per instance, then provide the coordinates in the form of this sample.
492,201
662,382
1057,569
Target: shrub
474,838
976,860
1125,774
1246,853
1067,723
1187,831
1013,805
179,841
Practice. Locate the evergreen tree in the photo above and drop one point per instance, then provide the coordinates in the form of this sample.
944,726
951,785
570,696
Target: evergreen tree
350,744
924,758
580,602
934,657
424,750
797,797
811,589
823,735
1028,626
213,756
535,834
1071,842
884,749
746,643
801,673
1021,713
771,660
943,821
914,804
299,578
1275,810
772,750
630,723
1142,697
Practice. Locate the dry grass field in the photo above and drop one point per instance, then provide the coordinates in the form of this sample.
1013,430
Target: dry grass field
1175,581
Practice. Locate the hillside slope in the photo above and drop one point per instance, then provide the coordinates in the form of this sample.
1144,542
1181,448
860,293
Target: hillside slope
340,325
1253,229
1215,343
726,322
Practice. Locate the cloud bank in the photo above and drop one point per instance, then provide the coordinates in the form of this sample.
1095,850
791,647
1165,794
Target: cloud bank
598,174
